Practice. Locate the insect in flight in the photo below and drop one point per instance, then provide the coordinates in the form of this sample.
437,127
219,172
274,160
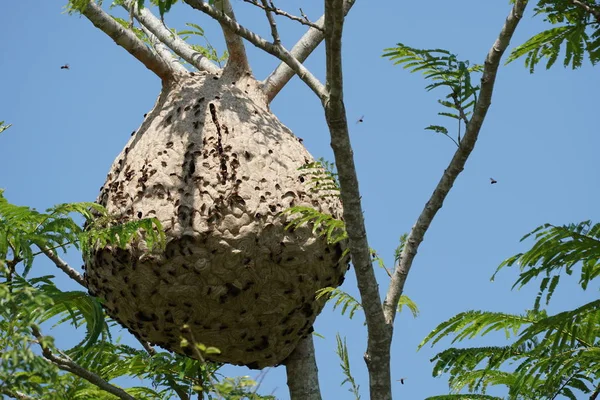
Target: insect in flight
361,119
492,181
401,380
66,66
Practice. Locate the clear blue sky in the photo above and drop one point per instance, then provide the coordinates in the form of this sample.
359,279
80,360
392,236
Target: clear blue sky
540,141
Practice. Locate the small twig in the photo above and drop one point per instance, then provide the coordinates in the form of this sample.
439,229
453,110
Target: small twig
562,386
271,8
67,364
300,52
60,263
272,23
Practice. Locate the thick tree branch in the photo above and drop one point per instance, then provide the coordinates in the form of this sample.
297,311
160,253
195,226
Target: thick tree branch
377,356
60,263
301,50
237,62
311,81
174,42
302,372
592,10
127,40
457,163
66,364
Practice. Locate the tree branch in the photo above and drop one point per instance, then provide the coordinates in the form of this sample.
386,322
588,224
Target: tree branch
15,394
272,23
596,393
302,372
594,11
456,164
66,364
164,52
174,42
60,263
301,50
237,62
127,40
377,356
311,81
278,11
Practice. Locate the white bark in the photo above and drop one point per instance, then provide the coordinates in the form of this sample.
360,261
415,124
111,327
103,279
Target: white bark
237,63
164,52
302,372
174,42
127,39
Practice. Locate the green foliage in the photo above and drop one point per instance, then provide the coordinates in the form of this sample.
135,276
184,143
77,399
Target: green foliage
547,356
445,71
323,177
27,302
578,33
138,31
23,229
4,126
558,249
208,50
342,352
351,305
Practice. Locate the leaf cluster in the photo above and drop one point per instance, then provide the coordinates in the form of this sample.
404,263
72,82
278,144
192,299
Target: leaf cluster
547,355
576,32
445,71
28,303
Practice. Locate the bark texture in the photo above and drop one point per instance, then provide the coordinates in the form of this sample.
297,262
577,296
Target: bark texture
302,372
216,168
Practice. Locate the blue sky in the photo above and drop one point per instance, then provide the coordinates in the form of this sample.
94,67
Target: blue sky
540,142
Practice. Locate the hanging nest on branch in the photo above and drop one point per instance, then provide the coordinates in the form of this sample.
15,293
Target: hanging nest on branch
217,168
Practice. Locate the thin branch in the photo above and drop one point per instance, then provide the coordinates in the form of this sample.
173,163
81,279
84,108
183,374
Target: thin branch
15,394
60,263
127,40
67,364
457,163
171,40
237,62
563,386
303,19
377,356
272,23
592,10
311,81
163,51
302,372
301,50
596,393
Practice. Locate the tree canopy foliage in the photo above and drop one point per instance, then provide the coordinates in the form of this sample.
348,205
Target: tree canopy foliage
546,355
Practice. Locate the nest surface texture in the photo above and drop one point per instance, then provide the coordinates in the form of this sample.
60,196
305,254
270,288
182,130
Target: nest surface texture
217,168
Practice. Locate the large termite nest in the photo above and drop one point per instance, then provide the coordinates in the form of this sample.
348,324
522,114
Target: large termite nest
217,168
